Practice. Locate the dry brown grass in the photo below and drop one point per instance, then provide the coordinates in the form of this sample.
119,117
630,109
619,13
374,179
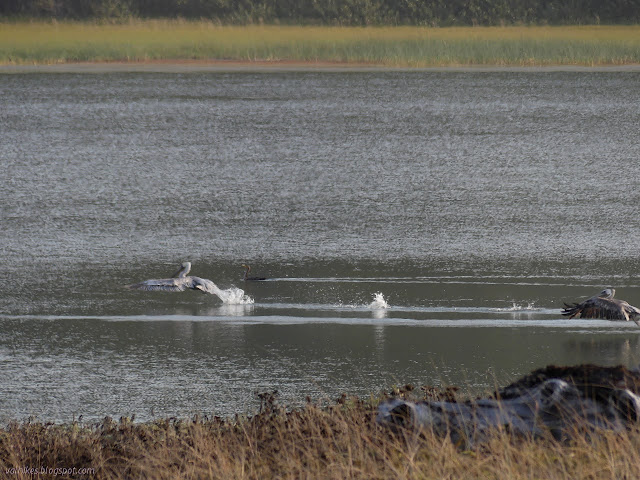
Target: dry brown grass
342,441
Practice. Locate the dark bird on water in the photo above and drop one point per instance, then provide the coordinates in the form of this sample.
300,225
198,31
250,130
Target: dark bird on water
247,278
177,283
603,306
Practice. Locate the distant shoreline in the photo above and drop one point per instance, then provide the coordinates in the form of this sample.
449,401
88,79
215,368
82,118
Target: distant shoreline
165,46
222,66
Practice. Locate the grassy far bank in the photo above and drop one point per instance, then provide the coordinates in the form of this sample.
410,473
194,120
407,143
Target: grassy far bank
144,41
342,441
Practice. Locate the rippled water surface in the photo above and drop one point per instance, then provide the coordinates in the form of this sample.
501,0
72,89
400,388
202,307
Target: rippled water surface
476,203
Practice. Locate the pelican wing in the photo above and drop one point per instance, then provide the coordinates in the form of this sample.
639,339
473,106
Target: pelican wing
598,307
633,313
203,284
163,285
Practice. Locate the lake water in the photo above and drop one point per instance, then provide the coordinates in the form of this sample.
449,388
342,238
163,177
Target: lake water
476,203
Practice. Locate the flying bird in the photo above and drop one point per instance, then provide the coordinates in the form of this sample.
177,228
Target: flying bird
179,282
603,306
247,278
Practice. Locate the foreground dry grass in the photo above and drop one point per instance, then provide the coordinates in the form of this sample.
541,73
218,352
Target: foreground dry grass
342,441
147,40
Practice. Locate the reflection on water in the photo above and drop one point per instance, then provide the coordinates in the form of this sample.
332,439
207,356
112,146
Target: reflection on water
415,227
379,313
231,310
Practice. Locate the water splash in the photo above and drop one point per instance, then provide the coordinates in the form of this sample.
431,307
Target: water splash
379,303
232,296
517,308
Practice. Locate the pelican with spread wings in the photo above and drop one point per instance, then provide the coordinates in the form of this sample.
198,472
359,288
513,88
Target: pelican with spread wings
603,306
179,282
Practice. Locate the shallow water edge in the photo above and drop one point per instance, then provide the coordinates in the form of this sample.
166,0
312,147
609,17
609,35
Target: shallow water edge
217,66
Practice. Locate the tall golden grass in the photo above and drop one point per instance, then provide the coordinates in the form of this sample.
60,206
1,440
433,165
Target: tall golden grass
342,442
155,40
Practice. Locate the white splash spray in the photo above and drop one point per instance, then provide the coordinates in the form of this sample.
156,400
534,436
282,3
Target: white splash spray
517,308
232,296
379,303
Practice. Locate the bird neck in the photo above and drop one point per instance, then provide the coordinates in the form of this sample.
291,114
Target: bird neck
182,272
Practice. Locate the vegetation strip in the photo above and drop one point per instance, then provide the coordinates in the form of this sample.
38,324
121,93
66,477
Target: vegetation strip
339,12
340,441
23,43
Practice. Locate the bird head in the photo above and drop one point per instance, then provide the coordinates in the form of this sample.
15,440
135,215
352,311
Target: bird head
607,293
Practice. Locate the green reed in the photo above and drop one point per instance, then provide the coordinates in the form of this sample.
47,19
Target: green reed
140,41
